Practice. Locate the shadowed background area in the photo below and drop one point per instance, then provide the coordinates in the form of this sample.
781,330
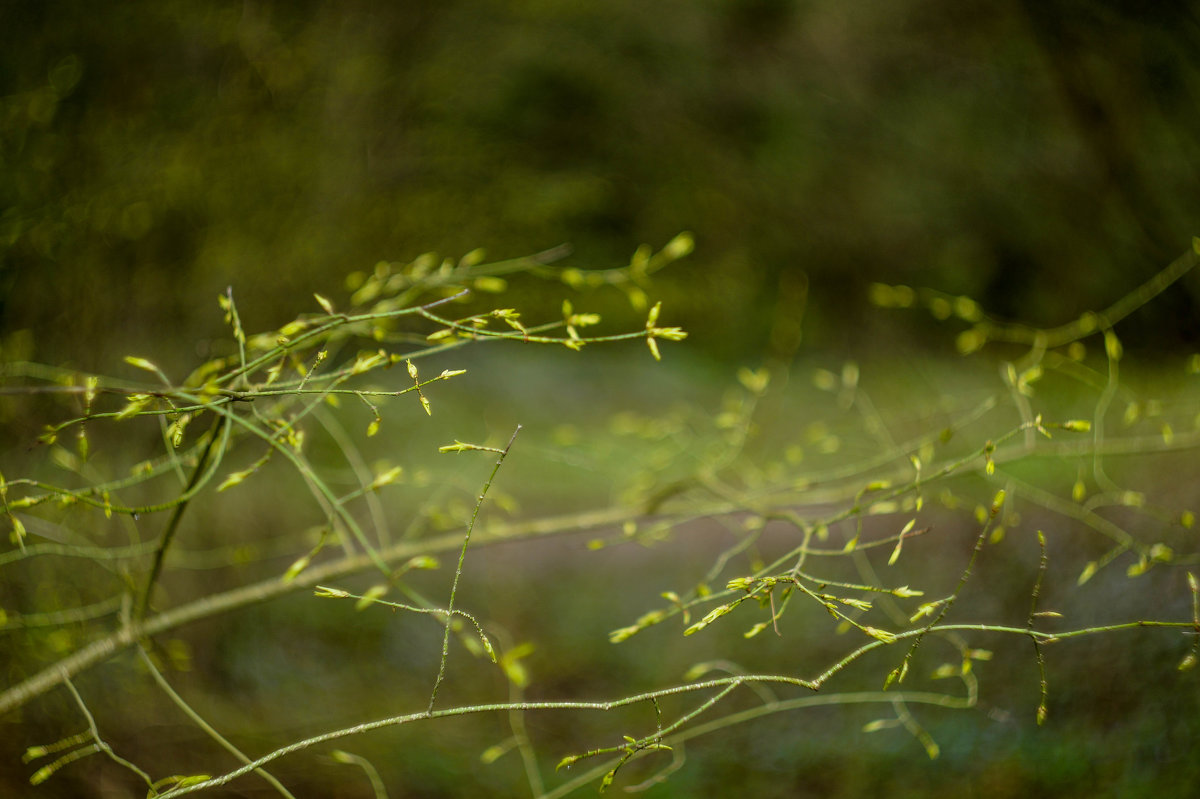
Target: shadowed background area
1040,158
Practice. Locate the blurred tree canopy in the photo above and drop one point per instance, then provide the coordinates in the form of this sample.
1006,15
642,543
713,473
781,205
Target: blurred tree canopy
1039,156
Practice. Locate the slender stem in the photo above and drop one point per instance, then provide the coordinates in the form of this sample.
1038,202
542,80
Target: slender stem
102,649
462,556
220,425
101,745
1050,338
1043,707
200,722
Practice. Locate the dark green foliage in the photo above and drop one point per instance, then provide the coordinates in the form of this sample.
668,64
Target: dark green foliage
157,151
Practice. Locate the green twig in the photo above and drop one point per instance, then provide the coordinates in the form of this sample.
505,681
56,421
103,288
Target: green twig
462,556
220,425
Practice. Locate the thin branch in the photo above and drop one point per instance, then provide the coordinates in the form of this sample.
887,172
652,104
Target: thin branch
462,556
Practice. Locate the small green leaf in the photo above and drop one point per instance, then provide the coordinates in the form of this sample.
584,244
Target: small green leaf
324,303
373,593
299,565
1112,345
487,647
970,341
736,584
365,362
177,428
234,479
712,616
1138,569
514,670
491,285
680,246
880,635
134,404
945,671
1133,499
1133,412
652,317
141,363
426,562
1088,571
756,629
177,781
967,309
42,774
624,633
824,380
386,478
18,533
653,345
755,381
896,675
493,753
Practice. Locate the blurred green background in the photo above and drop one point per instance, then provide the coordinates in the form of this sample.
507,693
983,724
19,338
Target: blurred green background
1040,157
